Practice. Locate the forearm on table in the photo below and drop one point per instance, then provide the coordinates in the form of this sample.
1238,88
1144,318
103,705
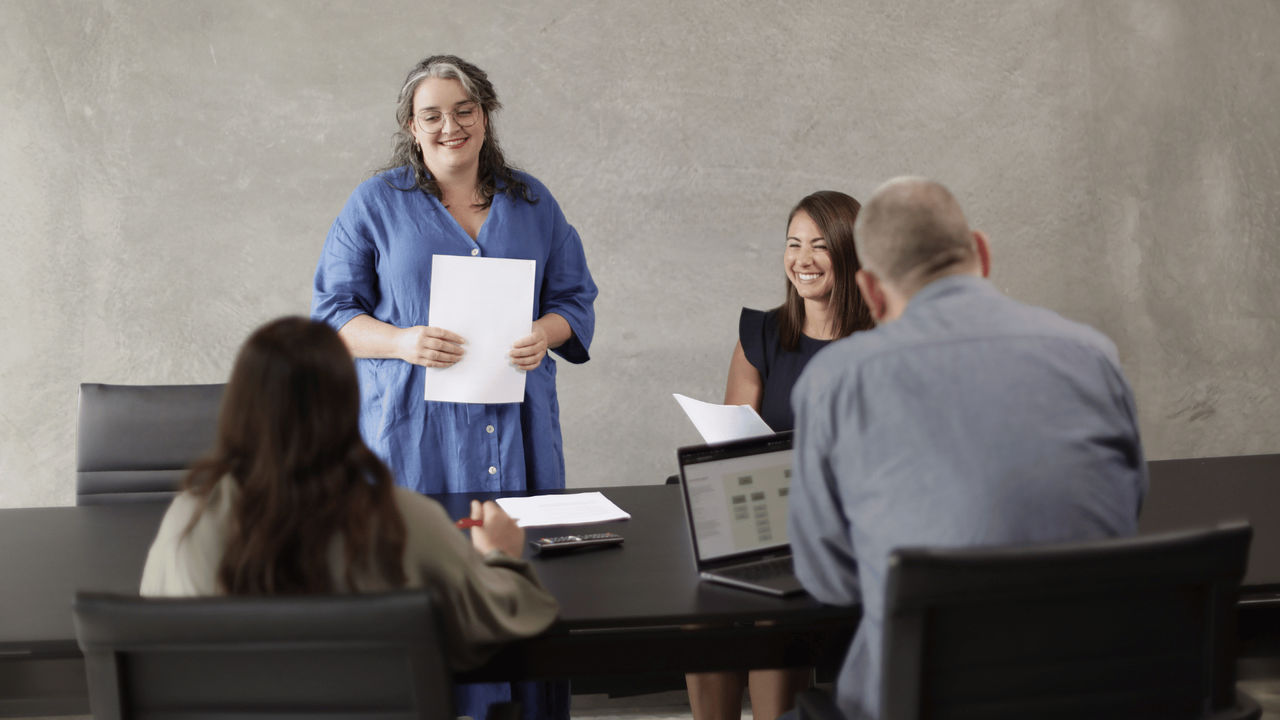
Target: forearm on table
556,329
367,337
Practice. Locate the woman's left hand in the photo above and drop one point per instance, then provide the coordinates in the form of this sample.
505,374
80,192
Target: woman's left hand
529,350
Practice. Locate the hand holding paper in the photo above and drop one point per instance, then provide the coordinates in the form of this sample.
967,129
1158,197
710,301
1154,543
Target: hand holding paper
528,351
430,346
488,301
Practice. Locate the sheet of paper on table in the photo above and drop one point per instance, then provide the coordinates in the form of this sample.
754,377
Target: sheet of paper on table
569,509
720,423
489,302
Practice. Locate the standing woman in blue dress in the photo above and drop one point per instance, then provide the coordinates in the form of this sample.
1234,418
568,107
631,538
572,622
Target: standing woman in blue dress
822,304
448,190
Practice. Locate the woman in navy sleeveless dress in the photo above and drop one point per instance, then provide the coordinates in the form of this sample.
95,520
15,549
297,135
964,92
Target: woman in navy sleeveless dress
822,305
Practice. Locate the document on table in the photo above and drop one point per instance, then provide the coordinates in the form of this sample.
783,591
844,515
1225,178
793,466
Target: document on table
489,302
720,423
571,509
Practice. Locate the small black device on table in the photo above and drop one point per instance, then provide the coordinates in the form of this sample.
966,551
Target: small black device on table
565,543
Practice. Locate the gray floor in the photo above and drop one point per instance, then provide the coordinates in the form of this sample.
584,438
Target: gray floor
1261,679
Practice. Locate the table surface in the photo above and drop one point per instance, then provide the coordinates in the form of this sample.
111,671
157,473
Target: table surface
648,583
1202,491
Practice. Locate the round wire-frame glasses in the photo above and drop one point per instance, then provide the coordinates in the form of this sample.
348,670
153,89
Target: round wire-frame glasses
432,121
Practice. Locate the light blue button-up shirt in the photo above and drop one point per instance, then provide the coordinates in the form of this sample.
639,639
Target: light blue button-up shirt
972,419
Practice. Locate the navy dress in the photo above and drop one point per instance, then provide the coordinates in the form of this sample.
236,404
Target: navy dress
779,369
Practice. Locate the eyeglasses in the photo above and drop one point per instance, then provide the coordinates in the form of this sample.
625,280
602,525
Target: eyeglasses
432,121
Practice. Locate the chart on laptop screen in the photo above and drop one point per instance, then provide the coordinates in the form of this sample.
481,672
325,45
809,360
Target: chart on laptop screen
739,504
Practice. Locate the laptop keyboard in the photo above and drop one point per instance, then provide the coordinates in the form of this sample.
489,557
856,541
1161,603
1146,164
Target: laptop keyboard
762,570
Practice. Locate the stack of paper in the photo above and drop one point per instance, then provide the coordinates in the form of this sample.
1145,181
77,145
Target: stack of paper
574,509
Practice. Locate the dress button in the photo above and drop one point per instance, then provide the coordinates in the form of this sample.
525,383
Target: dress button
488,429
493,470
475,251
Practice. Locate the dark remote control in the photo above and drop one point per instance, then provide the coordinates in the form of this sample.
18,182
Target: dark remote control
574,542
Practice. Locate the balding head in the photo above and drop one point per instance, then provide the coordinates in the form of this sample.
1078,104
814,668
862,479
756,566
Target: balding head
912,231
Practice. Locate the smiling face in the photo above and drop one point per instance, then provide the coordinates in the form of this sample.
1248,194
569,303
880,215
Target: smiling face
807,260
452,148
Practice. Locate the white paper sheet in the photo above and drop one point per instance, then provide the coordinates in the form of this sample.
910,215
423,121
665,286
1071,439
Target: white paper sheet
718,423
489,302
572,509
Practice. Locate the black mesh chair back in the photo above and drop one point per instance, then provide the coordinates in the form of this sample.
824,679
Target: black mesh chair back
1134,628
335,657
135,442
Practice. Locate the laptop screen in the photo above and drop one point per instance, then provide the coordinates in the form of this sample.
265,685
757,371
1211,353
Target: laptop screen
736,495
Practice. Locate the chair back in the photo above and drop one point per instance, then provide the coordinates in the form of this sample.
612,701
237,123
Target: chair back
336,657
135,442
1133,628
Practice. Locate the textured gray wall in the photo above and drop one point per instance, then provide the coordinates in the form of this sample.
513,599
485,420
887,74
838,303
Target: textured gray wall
168,172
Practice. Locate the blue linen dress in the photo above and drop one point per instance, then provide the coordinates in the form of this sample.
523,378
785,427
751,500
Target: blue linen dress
377,262
779,369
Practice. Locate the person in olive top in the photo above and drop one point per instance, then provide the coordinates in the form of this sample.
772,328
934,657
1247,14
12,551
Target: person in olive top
291,501
822,304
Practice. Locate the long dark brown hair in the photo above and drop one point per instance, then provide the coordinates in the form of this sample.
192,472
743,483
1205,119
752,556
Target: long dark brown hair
834,213
495,174
289,437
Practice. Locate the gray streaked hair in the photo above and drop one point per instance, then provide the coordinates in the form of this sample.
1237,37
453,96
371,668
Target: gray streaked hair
495,174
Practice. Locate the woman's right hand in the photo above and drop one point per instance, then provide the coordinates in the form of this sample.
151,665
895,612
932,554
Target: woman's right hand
429,346
497,530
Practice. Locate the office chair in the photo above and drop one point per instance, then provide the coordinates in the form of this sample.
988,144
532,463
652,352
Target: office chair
134,443
1139,627
337,657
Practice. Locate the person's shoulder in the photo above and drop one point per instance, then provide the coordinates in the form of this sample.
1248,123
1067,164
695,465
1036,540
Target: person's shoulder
386,182
527,179
181,509
537,191
836,365
756,329
752,318
389,188
859,346
1049,323
414,504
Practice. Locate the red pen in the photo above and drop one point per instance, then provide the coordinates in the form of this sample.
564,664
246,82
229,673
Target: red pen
467,522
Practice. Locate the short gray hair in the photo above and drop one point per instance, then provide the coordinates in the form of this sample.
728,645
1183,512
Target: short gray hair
911,231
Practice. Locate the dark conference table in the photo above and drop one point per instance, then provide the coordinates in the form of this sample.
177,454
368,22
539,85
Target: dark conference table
624,611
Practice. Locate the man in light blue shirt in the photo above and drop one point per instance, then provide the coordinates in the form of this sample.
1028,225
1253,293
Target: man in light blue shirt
965,418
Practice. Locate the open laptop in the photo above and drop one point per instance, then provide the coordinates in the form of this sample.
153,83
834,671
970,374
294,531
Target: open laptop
735,497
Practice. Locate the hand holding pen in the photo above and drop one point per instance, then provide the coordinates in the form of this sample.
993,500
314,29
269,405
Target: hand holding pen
493,529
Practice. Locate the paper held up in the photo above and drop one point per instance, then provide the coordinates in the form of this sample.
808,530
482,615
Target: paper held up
569,509
489,302
720,423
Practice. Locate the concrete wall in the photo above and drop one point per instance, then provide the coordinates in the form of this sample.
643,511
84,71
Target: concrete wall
168,172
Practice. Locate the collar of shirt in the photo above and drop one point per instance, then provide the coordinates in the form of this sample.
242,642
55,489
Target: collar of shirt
949,286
